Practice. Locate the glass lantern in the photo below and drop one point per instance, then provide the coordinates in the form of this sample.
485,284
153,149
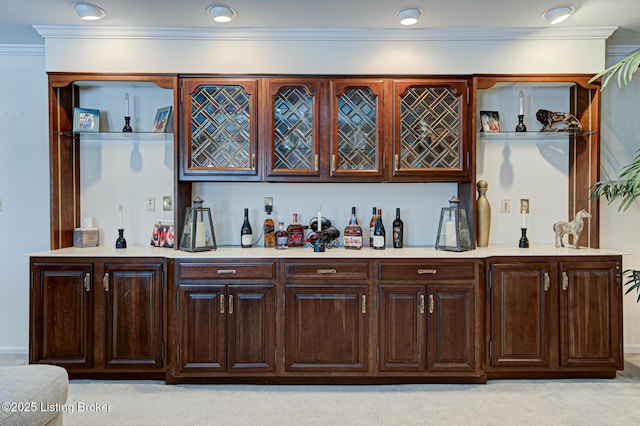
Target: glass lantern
453,229
198,233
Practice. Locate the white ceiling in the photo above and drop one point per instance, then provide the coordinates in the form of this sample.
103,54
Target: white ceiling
18,16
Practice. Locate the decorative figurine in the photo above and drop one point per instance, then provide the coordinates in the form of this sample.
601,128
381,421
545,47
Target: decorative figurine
548,119
573,227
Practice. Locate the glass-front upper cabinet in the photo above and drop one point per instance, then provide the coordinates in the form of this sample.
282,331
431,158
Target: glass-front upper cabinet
292,128
430,135
219,130
356,108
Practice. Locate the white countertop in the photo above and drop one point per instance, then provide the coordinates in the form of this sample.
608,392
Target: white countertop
340,252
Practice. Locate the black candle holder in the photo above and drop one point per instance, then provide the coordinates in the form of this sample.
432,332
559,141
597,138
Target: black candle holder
127,126
121,243
521,127
524,242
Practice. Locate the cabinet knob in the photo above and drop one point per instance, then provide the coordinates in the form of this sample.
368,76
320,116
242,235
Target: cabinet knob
422,303
317,162
105,281
222,303
253,161
231,303
397,162
333,163
87,282
565,281
431,304
547,281
364,303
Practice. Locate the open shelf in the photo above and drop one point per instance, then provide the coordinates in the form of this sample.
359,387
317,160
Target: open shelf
533,135
117,135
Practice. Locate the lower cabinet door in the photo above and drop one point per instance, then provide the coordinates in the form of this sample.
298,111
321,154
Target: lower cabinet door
251,328
590,330
519,302
451,327
326,328
62,314
132,296
201,328
402,328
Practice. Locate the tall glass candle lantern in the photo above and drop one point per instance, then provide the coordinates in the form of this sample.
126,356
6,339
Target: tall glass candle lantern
198,233
453,229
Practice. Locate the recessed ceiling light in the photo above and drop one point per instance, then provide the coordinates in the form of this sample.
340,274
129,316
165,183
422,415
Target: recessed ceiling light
221,13
558,14
408,16
89,12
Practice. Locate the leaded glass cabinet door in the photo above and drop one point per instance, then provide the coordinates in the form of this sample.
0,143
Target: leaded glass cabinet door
430,137
356,128
292,129
220,129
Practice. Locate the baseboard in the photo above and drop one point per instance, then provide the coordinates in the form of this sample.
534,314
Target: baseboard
631,349
8,350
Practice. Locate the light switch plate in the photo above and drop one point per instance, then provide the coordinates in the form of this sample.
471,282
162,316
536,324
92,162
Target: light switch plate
167,203
151,204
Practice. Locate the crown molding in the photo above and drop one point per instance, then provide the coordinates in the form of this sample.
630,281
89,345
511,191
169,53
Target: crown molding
324,34
22,49
621,50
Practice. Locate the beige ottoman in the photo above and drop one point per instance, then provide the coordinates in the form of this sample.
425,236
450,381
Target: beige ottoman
32,394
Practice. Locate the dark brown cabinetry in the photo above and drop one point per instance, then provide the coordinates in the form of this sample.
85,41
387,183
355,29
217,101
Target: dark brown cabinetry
98,317
225,320
427,317
326,317
554,317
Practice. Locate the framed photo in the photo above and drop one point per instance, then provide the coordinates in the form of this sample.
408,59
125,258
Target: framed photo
490,121
163,234
86,120
161,122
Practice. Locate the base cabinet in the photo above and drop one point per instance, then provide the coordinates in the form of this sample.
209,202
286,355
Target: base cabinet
98,316
554,318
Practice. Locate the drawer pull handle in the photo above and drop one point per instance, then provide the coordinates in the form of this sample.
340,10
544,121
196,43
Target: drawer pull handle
222,303
317,162
226,271
230,303
333,163
87,282
547,281
397,162
426,271
431,304
565,281
364,303
422,303
253,161
327,271
105,281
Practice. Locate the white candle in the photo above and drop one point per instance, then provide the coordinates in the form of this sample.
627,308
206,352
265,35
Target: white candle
200,236
524,219
126,102
120,209
319,219
450,233
521,96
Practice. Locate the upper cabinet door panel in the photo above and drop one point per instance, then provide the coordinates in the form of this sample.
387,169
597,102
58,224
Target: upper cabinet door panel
292,127
356,110
429,130
219,140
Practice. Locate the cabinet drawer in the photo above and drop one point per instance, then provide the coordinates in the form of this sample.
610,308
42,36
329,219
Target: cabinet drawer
227,271
346,270
426,271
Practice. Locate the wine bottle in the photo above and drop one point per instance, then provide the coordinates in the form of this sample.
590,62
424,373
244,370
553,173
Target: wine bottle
296,233
398,230
269,229
372,226
353,233
246,235
378,233
282,237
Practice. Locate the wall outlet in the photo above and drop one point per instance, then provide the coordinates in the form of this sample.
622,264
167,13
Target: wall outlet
505,205
267,201
151,204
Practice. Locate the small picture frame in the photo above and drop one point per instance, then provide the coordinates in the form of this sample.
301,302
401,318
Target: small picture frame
490,121
86,120
161,122
163,234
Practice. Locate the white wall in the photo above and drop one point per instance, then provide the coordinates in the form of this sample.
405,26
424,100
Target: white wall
23,118
620,143
24,184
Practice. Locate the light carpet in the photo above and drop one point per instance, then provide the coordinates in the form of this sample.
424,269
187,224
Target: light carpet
500,402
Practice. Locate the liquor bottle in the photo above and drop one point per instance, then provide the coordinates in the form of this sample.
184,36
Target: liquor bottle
246,235
398,230
296,233
282,237
269,229
353,233
378,233
372,226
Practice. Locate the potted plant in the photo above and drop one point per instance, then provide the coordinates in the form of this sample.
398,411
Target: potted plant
626,186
